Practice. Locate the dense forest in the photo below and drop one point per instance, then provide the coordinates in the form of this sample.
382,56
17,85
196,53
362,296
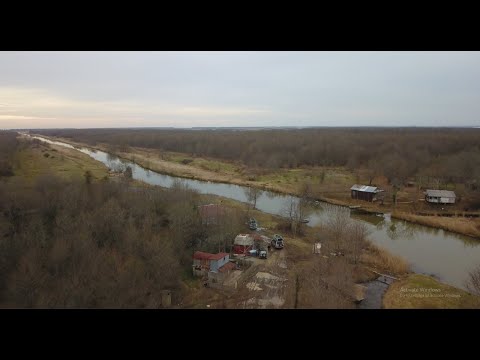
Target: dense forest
97,245
101,244
452,155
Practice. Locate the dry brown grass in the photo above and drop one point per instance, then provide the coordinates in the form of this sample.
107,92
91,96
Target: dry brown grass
417,291
461,225
380,259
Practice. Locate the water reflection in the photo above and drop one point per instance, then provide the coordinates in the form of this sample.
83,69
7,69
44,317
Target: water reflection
397,230
110,157
270,194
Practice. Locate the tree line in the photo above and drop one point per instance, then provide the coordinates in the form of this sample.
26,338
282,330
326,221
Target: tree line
398,153
8,147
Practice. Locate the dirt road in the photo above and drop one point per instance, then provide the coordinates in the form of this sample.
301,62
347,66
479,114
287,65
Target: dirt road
267,283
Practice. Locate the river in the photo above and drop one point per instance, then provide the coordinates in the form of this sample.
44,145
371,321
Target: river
446,255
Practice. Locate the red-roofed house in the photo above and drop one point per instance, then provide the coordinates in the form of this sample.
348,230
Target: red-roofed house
203,262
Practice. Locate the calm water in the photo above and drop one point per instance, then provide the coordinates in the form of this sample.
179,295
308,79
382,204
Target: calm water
446,255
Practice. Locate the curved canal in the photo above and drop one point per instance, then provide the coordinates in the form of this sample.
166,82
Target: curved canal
445,255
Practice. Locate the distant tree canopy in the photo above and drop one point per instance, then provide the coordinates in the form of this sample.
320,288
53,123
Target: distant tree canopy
397,153
8,146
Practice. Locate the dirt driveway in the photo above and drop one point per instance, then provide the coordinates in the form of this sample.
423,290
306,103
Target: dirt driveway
266,284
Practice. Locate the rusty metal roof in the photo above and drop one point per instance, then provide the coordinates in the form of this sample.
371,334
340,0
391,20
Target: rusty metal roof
365,188
440,193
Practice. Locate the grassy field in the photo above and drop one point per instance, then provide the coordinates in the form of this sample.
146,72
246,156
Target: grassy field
41,159
424,292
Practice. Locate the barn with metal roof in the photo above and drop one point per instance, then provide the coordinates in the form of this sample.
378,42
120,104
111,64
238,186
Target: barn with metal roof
440,196
364,192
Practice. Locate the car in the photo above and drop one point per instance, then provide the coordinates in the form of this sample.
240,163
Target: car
277,237
252,224
277,241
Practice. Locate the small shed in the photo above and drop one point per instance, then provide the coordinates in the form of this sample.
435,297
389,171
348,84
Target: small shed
205,262
364,192
242,244
440,196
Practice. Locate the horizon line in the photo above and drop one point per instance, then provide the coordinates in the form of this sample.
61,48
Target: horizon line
247,127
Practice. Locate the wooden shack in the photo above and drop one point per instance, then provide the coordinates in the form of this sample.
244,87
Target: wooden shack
440,196
364,192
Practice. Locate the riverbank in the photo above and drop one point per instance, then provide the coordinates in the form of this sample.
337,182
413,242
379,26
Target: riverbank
41,159
461,225
417,291
288,182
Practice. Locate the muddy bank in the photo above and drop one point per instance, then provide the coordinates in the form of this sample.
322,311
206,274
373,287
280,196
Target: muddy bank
460,225
376,289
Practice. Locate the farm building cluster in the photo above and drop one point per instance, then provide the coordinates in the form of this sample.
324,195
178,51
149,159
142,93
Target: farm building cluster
373,193
216,268
219,265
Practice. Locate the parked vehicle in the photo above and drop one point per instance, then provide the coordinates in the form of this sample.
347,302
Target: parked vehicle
277,241
252,224
262,254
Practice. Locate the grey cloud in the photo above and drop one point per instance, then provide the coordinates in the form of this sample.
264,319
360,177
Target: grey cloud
240,88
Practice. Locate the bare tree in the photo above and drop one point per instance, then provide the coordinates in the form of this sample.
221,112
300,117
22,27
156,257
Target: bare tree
357,235
337,226
473,282
325,284
252,194
295,210
373,169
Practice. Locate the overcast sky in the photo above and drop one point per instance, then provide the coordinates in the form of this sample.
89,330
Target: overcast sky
186,89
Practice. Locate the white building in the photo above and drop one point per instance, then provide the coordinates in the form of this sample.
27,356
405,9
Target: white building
440,196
